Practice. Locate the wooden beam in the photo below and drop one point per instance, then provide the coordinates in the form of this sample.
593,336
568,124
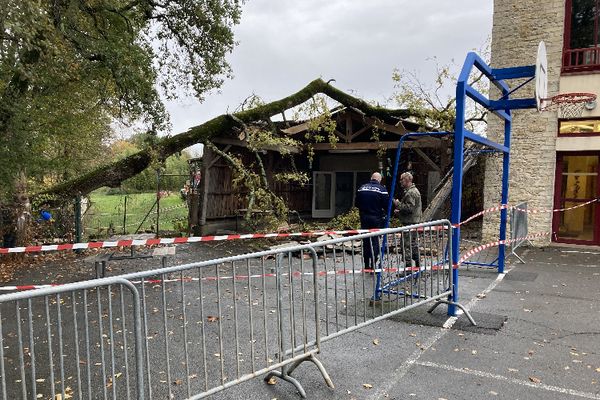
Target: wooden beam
398,130
217,158
243,143
427,159
373,145
292,130
360,131
349,128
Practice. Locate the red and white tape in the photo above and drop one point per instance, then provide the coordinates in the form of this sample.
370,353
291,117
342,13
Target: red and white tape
191,239
178,240
468,254
557,209
529,211
194,239
214,278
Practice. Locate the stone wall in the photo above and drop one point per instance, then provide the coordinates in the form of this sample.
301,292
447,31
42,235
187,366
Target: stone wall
519,25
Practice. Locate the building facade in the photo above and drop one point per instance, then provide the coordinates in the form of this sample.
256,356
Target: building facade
555,158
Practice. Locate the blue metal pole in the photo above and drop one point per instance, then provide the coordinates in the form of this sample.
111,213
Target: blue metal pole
392,193
504,197
396,166
457,180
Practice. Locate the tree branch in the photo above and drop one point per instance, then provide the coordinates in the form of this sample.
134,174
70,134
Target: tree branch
113,174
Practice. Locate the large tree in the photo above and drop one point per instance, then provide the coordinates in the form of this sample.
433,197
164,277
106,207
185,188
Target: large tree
68,68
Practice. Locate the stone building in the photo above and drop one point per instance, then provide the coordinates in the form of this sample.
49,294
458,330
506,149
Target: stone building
554,157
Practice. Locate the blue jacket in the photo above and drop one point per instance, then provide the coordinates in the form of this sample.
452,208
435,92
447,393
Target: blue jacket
372,200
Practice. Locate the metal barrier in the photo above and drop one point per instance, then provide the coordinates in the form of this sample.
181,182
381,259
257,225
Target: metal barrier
203,327
413,268
72,341
518,228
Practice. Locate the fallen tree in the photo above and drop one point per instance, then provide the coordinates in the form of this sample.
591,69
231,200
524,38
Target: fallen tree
113,174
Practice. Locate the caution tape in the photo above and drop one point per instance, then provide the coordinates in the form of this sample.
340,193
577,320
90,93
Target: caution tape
191,239
178,240
194,239
556,209
470,253
529,211
214,278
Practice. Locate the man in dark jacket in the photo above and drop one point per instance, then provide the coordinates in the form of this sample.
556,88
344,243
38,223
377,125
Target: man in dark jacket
372,201
409,209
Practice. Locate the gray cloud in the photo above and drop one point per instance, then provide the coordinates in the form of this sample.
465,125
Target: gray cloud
284,44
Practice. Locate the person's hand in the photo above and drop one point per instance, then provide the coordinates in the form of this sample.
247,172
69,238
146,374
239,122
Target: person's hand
396,202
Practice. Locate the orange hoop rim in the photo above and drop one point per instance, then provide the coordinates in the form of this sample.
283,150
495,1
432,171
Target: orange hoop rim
570,98
575,97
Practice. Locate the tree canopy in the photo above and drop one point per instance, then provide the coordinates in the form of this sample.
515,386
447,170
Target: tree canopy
69,68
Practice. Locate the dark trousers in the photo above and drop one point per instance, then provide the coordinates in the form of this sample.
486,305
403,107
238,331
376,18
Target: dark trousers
371,246
411,248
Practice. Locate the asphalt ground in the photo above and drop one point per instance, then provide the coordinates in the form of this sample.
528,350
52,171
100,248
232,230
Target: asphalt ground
538,339
537,336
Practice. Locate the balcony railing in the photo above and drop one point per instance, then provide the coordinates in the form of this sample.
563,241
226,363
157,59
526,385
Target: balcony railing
575,60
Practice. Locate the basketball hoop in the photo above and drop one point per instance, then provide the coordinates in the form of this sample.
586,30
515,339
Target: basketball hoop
569,105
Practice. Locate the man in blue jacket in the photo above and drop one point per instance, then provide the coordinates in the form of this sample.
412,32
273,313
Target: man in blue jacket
372,201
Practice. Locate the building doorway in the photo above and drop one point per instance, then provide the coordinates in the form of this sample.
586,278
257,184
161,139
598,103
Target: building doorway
577,182
334,191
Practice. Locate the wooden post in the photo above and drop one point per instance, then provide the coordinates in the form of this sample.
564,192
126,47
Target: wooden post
207,157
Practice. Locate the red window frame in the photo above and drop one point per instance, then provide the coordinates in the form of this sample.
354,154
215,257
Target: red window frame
578,134
572,59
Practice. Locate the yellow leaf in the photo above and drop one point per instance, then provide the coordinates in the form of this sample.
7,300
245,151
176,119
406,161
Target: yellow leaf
535,379
367,386
272,381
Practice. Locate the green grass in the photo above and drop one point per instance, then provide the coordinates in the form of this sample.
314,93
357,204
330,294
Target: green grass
106,212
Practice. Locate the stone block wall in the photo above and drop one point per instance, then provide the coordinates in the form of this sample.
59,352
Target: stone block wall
519,25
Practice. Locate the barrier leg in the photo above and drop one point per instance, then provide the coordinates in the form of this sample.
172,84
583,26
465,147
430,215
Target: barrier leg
453,304
319,365
283,374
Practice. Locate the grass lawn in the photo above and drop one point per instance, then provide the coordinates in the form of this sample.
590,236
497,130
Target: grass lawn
105,214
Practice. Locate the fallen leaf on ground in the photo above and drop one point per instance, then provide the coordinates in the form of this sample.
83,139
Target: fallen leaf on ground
535,379
367,386
212,318
272,381
376,342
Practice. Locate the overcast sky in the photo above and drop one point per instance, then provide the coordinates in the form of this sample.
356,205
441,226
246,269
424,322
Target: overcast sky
284,44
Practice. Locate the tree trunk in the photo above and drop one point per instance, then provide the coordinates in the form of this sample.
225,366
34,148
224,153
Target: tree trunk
113,174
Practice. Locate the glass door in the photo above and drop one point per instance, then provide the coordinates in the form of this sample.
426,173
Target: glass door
577,182
323,204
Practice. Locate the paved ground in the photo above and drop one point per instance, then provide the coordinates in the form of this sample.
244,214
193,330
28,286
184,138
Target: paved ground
548,312
537,337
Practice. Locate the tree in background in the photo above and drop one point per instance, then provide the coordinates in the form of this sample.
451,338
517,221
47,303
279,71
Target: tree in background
68,68
433,107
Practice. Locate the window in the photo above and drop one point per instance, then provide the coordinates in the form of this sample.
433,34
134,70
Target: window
579,127
582,36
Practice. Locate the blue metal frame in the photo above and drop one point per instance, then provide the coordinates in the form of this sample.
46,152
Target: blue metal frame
502,108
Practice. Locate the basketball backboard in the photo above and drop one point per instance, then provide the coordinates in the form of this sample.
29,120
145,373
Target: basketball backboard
541,77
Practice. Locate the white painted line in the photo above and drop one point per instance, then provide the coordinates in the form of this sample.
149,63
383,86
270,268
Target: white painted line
489,375
568,265
579,251
399,373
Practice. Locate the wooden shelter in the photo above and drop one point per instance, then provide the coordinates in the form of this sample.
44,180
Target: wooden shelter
365,144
